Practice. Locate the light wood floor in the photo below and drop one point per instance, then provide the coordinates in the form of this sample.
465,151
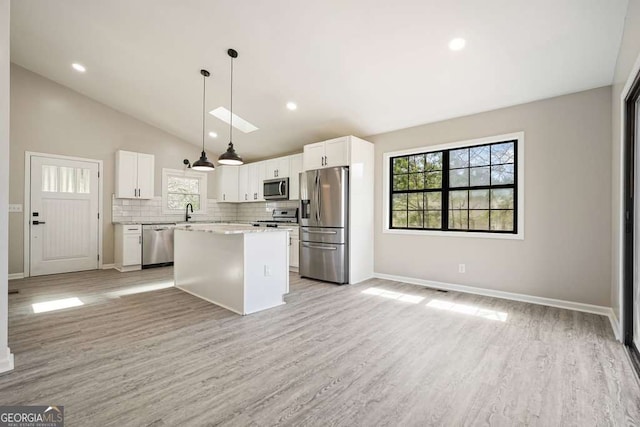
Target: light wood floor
378,353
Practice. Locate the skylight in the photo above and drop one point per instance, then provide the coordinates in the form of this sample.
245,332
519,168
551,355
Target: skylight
238,122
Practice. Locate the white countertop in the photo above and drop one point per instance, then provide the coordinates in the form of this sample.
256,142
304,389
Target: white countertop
230,228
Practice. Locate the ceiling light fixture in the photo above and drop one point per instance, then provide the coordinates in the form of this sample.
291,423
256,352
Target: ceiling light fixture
457,44
292,106
213,134
203,164
79,67
230,157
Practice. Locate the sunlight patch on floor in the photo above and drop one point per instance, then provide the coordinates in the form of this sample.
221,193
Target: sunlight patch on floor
468,309
59,304
141,289
398,296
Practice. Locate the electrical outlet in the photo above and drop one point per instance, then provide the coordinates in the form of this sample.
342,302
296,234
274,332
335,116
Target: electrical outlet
462,268
15,208
267,271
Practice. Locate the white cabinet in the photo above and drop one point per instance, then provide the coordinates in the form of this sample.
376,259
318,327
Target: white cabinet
326,154
134,175
256,181
294,249
277,168
227,183
243,183
295,167
128,247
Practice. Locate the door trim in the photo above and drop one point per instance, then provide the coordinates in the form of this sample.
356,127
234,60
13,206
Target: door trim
27,204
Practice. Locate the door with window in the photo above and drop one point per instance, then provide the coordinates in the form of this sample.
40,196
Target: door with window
63,226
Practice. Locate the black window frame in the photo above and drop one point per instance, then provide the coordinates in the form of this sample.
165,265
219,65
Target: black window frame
445,189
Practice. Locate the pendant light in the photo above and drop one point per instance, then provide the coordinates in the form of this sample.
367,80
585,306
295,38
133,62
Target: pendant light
203,164
230,157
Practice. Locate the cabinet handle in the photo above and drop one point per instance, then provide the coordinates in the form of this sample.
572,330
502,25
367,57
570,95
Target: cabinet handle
139,240
245,196
224,197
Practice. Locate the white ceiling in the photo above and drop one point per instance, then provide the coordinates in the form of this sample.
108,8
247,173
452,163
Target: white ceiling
357,67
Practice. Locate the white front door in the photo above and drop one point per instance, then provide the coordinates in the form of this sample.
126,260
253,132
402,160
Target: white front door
64,215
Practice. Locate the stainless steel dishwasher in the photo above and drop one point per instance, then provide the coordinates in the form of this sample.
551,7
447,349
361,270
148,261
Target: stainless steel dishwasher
157,245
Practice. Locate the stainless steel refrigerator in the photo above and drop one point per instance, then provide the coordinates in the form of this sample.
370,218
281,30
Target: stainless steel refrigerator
324,222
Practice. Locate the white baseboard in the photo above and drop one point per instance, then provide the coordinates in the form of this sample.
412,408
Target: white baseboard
108,266
6,361
615,325
551,302
14,276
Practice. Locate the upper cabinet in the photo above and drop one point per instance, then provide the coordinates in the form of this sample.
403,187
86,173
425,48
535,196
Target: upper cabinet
277,168
326,154
295,167
250,180
227,183
134,175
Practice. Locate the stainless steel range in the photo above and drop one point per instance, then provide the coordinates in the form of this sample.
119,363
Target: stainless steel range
279,217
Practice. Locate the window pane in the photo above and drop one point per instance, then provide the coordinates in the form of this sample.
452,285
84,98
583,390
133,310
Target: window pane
416,201
479,156
434,200
433,219
479,176
433,179
479,220
400,165
502,198
183,185
83,180
459,158
479,199
399,219
179,201
502,174
434,161
416,163
459,178
458,199
49,178
67,180
502,153
416,181
415,219
401,182
458,219
400,202
502,220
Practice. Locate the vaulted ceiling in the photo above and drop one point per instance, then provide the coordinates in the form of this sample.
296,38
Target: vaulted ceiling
352,66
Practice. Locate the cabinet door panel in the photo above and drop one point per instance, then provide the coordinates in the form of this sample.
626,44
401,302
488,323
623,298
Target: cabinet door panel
295,167
313,156
227,183
146,176
256,178
126,175
243,183
131,251
337,152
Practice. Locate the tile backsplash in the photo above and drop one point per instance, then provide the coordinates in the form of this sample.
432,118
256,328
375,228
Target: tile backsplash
125,210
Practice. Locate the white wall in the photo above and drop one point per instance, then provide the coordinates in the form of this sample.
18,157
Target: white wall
566,251
627,57
50,118
6,358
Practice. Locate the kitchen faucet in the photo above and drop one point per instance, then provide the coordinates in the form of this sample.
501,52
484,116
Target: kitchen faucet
186,214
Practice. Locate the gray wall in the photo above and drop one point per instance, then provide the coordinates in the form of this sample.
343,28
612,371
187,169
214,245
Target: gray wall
629,51
50,118
4,175
565,253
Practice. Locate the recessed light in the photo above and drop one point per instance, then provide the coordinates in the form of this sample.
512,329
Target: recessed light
213,134
79,67
292,106
457,43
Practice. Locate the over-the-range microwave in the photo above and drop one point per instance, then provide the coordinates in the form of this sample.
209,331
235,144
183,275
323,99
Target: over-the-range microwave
276,189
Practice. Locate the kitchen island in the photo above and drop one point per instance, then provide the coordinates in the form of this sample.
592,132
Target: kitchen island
242,268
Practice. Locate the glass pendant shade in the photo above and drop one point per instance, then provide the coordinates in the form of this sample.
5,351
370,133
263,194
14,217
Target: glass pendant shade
230,157
202,164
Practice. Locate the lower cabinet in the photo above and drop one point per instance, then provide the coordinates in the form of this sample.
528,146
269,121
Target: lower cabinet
294,249
128,247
